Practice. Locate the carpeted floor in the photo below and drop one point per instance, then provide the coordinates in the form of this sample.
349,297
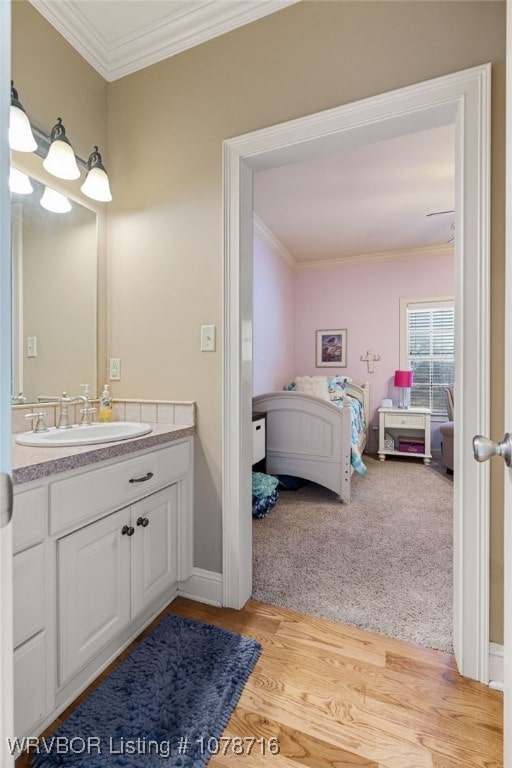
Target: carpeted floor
382,562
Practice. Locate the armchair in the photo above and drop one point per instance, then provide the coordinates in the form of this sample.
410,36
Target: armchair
447,432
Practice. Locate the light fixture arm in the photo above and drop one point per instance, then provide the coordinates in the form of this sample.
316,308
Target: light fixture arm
94,160
15,102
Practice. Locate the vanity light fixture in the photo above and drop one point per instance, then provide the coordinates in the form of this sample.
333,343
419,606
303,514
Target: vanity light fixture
21,137
19,182
54,201
60,160
96,184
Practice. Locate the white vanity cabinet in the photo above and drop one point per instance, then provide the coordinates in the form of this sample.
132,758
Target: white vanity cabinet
112,543
110,571
31,627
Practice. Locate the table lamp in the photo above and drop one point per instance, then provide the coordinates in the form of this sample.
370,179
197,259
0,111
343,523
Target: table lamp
403,380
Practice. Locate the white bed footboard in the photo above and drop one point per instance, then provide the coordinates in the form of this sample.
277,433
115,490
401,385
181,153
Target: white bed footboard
309,438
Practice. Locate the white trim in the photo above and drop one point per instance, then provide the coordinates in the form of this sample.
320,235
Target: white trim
273,242
203,586
375,258
178,31
507,475
496,660
462,99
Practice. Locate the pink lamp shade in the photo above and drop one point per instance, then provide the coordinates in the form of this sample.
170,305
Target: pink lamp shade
403,379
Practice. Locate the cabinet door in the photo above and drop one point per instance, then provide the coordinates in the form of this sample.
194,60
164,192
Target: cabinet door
29,684
94,594
154,547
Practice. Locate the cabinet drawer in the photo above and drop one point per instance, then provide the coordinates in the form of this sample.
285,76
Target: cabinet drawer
406,421
29,685
28,591
29,518
86,496
258,440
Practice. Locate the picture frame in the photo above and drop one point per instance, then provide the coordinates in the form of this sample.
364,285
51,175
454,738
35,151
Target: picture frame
331,348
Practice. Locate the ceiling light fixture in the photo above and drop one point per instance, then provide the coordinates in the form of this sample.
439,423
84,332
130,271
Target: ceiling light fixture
96,184
60,160
21,137
54,201
19,182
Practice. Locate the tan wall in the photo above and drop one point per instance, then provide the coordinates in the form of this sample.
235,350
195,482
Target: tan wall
166,125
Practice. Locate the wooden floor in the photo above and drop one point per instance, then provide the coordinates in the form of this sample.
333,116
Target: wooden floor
333,696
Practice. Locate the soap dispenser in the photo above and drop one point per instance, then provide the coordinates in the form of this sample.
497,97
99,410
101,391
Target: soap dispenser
105,413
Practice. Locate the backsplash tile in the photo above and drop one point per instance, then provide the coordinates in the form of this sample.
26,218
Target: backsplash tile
148,412
179,412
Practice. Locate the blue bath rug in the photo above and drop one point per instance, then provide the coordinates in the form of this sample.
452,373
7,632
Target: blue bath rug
164,706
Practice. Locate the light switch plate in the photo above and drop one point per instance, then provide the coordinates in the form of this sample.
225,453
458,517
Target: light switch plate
207,338
115,369
31,346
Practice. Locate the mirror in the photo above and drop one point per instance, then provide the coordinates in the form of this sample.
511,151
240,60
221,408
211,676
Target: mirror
55,297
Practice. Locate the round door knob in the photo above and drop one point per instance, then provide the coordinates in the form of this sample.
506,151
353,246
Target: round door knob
143,521
484,449
128,530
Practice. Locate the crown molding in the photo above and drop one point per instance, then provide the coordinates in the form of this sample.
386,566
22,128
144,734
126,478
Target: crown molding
178,31
374,258
268,237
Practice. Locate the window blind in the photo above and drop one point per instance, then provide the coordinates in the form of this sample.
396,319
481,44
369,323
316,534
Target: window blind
430,352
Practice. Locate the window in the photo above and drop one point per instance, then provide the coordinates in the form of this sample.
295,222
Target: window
427,347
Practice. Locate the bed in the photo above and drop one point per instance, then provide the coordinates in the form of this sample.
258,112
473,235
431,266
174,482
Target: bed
311,437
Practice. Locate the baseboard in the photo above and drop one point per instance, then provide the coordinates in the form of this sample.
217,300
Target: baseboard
496,666
203,586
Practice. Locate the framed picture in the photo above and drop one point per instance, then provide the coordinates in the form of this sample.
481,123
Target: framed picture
331,348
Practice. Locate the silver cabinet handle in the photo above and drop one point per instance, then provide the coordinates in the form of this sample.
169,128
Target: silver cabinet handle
484,449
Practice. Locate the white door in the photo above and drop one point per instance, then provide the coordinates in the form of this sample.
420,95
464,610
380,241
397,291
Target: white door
6,659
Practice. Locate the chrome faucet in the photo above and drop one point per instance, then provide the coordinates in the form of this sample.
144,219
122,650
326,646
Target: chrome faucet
39,424
64,402
18,399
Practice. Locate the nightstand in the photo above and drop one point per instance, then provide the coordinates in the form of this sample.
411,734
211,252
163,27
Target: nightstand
404,432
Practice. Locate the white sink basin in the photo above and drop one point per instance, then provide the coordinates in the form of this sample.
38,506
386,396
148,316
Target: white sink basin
85,434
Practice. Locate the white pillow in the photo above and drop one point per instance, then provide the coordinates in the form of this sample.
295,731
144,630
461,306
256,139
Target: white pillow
313,385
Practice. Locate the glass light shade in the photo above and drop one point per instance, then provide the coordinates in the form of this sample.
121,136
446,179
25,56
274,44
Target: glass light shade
60,160
21,137
96,185
19,182
54,201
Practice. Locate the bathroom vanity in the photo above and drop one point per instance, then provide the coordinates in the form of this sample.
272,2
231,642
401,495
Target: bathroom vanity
102,540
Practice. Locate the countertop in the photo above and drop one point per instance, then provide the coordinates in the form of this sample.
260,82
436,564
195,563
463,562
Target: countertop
30,463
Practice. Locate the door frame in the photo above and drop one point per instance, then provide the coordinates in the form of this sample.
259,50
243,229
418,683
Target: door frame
6,620
462,99
507,506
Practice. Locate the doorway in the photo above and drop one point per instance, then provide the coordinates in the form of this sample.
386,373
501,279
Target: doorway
464,99
354,239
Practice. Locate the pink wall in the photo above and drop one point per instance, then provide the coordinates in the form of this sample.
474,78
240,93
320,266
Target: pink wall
273,320
365,300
